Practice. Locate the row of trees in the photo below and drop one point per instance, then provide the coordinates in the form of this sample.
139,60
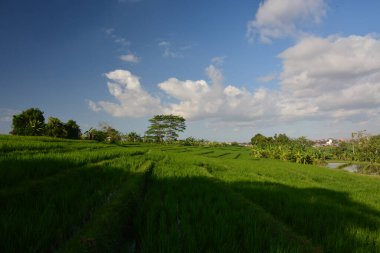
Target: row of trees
162,129
31,122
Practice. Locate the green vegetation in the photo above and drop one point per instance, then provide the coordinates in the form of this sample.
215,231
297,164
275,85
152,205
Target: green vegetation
165,128
281,147
361,148
31,122
105,133
84,196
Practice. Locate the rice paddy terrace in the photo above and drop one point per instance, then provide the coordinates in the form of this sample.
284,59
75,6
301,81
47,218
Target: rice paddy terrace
82,196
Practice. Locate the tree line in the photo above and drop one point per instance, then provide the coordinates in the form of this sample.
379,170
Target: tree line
31,122
362,147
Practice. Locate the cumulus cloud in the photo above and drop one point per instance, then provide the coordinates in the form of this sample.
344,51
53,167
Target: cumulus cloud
197,99
282,18
194,100
131,58
132,99
334,78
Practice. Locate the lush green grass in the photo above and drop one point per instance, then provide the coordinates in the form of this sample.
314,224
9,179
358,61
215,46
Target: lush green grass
81,196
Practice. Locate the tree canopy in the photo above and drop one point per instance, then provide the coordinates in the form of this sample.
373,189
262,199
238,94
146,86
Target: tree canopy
165,127
133,137
106,133
72,130
29,122
55,128
32,122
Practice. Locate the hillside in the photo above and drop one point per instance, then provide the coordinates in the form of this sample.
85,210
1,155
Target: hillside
83,196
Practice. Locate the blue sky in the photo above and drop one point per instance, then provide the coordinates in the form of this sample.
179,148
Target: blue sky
231,68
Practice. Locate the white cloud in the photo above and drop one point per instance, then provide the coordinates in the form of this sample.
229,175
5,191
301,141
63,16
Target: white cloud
193,99
132,99
331,79
184,90
131,58
93,106
282,18
197,99
334,77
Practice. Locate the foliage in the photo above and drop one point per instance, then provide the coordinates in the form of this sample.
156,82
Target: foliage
105,133
112,135
191,141
165,128
281,139
281,147
55,128
133,137
366,147
362,148
30,122
72,130
95,134
260,140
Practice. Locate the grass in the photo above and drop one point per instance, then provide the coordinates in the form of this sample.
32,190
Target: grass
79,196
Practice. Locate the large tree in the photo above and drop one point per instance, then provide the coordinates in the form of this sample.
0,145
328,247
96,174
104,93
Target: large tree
165,127
29,122
260,140
72,130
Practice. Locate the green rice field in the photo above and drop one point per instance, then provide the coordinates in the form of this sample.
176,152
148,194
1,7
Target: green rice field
82,196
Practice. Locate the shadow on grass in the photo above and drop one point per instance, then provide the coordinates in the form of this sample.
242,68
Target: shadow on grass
200,214
26,169
114,210
329,218
44,215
